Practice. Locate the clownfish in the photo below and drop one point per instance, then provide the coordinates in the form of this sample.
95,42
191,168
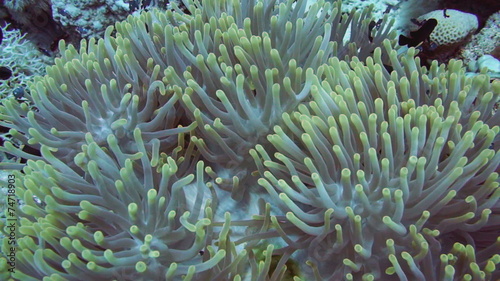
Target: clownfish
418,36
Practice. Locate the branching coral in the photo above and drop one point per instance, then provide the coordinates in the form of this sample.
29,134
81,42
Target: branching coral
21,57
158,159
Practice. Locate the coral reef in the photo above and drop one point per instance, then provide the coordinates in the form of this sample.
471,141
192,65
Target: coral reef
22,58
89,18
488,64
410,9
381,7
34,18
483,43
453,29
254,140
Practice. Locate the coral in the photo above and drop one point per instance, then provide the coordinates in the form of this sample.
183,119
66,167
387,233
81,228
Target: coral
89,17
483,9
490,65
22,58
23,61
412,9
381,7
453,26
148,4
18,8
35,19
251,140
482,43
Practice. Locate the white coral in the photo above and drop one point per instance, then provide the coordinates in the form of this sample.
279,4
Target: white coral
454,27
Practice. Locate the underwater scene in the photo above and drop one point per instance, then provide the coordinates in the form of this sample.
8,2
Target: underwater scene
249,140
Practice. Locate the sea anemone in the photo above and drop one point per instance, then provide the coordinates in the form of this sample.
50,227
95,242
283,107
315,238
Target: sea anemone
253,141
